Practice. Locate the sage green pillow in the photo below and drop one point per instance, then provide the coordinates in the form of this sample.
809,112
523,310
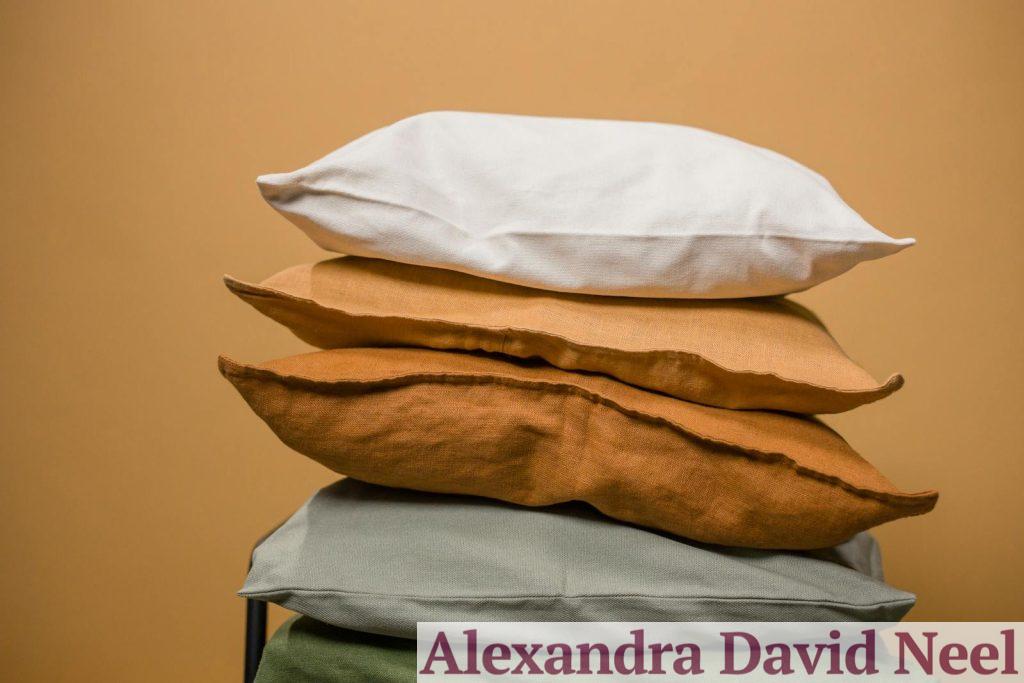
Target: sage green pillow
378,560
306,651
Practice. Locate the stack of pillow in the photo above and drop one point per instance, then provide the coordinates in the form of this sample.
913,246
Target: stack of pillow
564,385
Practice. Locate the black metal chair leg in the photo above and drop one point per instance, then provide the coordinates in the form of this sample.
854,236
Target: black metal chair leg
255,636
255,624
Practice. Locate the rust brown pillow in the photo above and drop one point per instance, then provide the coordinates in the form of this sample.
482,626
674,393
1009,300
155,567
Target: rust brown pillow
536,435
755,353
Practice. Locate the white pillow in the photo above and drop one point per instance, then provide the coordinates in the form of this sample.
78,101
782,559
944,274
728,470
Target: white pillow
577,205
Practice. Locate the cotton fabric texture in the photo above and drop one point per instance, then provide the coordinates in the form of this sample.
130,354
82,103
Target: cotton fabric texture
376,559
734,353
536,435
304,650
574,205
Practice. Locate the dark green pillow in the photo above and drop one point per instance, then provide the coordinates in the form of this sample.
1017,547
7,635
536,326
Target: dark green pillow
305,650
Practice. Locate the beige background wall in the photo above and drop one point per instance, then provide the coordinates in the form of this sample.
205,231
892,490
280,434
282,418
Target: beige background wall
134,478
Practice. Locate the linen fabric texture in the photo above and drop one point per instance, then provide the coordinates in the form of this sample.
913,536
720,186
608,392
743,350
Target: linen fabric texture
378,560
574,205
536,435
768,353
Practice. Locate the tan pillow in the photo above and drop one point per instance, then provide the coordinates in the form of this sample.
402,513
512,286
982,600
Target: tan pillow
755,353
536,435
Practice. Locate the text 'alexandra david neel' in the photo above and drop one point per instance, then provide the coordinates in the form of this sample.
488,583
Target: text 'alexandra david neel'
687,651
